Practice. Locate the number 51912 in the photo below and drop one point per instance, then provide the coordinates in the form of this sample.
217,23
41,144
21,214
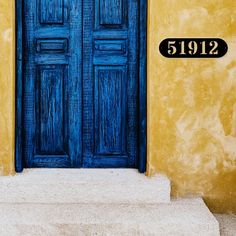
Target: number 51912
193,48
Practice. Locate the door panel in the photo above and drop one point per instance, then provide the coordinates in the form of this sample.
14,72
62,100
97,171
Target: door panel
110,110
111,12
81,83
51,11
50,109
52,83
110,84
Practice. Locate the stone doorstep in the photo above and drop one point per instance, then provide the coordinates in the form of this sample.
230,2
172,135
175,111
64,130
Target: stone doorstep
84,186
181,217
98,202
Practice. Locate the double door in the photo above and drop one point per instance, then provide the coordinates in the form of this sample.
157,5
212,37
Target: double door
80,83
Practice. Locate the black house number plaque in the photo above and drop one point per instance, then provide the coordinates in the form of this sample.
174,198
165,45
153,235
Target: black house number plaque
193,48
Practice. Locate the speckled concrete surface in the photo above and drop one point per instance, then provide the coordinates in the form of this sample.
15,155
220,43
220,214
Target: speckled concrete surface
84,186
227,224
188,217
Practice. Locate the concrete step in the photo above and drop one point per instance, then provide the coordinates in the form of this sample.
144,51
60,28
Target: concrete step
90,186
181,217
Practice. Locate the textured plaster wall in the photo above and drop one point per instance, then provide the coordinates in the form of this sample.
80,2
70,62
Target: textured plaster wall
192,102
7,70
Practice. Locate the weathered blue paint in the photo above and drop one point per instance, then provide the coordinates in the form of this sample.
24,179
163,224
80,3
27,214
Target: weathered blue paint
143,87
19,89
79,100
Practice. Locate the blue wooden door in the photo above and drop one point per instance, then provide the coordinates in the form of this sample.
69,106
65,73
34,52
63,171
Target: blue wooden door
80,87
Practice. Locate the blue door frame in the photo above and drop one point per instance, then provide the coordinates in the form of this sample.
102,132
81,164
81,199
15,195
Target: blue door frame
142,132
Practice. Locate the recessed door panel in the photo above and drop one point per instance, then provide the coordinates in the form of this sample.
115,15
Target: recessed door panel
110,110
51,110
111,12
51,11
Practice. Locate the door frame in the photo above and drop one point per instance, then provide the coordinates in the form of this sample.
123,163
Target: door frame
19,132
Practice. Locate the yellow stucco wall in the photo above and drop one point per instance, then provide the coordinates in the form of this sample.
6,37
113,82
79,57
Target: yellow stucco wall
192,102
7,87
